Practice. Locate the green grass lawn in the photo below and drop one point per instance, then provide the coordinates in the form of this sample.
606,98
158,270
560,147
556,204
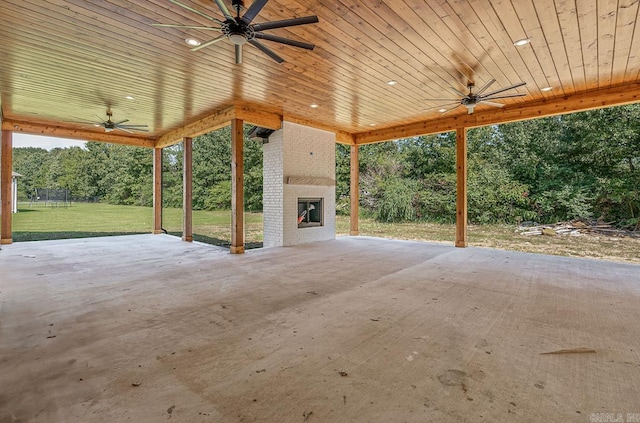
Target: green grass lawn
83,220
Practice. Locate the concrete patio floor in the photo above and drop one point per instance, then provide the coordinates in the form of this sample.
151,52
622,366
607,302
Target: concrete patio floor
149,328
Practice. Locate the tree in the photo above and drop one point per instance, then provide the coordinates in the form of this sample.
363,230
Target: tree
253,183
33,164
603,147
343,179
73,171
172,171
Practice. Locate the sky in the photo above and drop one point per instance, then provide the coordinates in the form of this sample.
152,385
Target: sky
48,143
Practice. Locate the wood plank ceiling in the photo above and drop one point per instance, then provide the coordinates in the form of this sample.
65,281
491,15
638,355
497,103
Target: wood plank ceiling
68,60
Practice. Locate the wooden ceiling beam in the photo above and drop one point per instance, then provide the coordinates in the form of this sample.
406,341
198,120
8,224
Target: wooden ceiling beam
614,96
73,133
219,119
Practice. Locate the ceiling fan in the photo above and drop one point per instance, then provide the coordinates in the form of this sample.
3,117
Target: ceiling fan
110,125
476,97
239,29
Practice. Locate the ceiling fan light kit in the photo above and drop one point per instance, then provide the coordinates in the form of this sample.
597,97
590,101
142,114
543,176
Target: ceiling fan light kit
240,30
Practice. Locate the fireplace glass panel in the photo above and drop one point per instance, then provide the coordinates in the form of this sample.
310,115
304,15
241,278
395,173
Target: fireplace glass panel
309,212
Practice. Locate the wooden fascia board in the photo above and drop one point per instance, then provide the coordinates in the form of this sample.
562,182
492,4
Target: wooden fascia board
207,124
345,138
614,96
78,134
218,120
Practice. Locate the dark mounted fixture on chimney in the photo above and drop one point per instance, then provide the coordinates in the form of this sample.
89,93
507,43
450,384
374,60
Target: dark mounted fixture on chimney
260,132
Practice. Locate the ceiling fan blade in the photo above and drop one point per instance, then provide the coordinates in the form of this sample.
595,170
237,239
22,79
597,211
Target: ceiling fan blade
284,23
122,121
465,70
224,10
485,86
442,99
448,109
266,50
130,130
484,97
204,28
282,40
123,129
460,93
208,43
84,122
491,103
197,12
133,126
238,54
520,84
456,103
253,10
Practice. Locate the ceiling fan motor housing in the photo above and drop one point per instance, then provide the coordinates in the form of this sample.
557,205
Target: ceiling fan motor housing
469,100
108,124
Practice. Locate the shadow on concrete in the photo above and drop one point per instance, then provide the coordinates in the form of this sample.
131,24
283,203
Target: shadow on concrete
48,236
217,241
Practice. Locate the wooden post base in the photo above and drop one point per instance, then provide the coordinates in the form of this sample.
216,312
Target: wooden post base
462,244
237,250
354,233
187,238
6,241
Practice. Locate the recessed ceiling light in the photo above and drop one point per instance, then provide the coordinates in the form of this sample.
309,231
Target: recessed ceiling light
442,110
313,106
546,89
521,42
130,97
192,42
372,124
392,82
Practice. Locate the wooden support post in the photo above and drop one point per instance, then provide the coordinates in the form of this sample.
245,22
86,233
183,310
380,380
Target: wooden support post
354,190
6,167
461,187
187,191
157,190
237,187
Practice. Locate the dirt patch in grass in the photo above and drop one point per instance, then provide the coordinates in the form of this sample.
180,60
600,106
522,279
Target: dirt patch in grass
592,245
505,237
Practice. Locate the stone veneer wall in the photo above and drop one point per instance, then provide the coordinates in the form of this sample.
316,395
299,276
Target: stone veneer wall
297,153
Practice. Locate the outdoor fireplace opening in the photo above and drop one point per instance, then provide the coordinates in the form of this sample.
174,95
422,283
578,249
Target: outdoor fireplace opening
309,212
